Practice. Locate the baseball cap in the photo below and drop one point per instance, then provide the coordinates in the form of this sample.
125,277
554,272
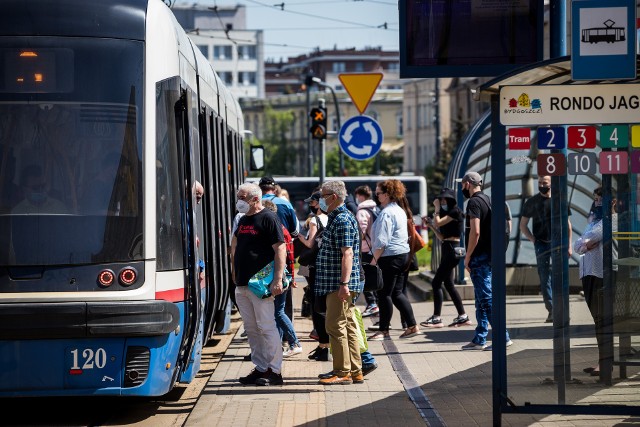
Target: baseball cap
315,196
472,177
266,180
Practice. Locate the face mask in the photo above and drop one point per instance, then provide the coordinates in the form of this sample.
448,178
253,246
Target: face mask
37,198
444,207
323,204
544,190
465,193
242,206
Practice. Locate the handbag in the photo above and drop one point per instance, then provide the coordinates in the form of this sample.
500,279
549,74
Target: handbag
460,252
373,280
259,283
361,332
416,242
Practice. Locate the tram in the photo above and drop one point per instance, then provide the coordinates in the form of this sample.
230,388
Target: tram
114,265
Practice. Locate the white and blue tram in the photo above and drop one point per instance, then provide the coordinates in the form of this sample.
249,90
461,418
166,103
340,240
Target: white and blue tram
112,275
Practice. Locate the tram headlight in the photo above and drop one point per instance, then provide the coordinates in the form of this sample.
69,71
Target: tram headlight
128,276
106,278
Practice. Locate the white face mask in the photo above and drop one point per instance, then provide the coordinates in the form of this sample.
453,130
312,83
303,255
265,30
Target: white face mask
242,206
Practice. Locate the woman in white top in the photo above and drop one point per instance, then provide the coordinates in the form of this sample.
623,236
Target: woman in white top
391,253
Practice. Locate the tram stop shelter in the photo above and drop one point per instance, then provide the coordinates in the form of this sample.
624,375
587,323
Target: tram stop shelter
586,135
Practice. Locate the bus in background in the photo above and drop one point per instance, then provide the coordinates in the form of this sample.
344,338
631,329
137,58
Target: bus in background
300,187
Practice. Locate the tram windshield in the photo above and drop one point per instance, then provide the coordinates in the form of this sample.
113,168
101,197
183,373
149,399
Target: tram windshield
70,151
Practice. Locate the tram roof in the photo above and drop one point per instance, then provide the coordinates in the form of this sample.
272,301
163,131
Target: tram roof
556,71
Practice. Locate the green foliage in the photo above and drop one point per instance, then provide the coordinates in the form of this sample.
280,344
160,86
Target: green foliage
389,164
277,147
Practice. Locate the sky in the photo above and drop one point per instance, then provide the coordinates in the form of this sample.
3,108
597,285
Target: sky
304,25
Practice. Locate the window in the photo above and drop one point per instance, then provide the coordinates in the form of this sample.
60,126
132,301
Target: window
247,52
409,118
247,78
222,52
393,66
399,123
226,77
204,49
339,67
359,67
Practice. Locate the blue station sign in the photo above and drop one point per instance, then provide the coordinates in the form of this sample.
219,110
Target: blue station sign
603,45
360,137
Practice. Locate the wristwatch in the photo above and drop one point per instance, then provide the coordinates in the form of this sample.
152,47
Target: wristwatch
344,283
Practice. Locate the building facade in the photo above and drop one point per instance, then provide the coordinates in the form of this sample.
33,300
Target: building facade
237,54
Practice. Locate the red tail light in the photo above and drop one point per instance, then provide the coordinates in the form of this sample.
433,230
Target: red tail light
106,278
128,276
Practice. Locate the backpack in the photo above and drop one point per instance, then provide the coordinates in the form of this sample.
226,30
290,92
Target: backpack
373,214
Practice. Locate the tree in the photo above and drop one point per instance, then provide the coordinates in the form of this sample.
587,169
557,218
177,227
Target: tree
390,164
276,144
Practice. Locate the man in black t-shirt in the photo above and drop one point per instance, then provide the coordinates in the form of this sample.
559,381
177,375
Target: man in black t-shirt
538,208
258,241
478,258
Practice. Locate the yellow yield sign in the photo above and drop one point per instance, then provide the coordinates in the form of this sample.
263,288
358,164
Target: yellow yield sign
361,87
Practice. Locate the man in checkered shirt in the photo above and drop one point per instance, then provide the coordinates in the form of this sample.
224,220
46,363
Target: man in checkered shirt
338,277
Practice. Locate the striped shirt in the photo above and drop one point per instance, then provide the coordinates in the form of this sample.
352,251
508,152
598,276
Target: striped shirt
341,232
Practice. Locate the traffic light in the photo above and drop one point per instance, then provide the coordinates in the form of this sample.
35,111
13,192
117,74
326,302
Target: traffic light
318,123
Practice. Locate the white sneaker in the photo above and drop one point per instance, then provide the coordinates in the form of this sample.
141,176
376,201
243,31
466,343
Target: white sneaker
474,346
292,351
490,347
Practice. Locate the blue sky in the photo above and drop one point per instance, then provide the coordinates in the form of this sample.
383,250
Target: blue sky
306,24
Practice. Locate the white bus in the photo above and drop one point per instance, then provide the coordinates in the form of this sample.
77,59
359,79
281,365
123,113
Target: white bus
301,187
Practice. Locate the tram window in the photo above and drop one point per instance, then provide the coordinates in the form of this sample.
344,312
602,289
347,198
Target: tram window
41,70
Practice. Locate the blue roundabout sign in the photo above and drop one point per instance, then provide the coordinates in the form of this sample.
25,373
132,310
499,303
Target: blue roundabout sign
360,137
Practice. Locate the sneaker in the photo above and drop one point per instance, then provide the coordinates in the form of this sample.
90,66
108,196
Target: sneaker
432,322
367,369
490,347
243,334
314,335
371,310
379,336
271,378
252,377
460,321
549,318
247,358
336,380
292,350
319,354
473,346
375,327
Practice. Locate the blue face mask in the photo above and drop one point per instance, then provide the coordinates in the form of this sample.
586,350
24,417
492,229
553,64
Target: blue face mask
323,204
444,207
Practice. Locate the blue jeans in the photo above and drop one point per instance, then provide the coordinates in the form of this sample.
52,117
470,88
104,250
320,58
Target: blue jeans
543,258
285,327
481,277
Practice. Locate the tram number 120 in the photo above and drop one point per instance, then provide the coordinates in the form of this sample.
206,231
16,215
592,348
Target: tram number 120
89,358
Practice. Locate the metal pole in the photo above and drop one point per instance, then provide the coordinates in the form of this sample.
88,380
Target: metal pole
559,231
436,121
338,124
309,140
323,166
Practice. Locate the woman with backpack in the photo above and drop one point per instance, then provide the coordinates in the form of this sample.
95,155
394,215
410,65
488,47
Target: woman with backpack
307,261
